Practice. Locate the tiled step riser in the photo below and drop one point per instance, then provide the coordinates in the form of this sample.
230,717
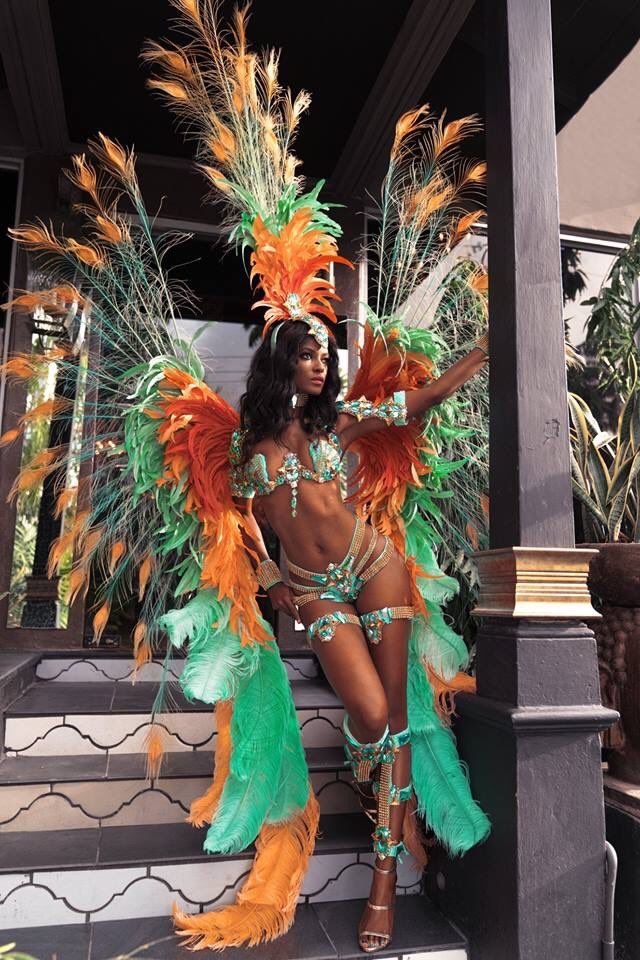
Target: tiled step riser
76,734
48,897
121,669
76,806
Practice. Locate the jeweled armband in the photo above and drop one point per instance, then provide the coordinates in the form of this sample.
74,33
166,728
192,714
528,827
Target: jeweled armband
268,574
393,410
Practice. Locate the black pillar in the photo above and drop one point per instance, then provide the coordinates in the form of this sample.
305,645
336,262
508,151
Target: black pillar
535,889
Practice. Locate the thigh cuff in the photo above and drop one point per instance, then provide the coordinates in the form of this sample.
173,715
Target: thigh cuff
374,620
325,627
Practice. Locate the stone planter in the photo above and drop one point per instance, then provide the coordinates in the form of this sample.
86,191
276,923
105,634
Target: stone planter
614,577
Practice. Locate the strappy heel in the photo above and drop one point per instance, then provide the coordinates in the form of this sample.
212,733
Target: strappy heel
384,938
388,795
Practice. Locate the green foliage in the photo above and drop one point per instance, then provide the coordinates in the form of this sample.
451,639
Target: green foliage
7,952
605,468
614,323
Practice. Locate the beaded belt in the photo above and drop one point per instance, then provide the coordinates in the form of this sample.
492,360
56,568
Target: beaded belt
341,581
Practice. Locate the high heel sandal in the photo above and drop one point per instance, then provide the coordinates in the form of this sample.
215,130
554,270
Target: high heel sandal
384,937
388,794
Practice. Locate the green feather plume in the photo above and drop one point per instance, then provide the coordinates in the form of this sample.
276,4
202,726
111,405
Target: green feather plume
264,741
439,777
216,660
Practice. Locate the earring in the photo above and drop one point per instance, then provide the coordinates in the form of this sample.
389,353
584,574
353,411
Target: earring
294,400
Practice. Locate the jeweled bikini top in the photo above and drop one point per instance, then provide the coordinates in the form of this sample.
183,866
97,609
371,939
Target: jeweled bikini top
252,478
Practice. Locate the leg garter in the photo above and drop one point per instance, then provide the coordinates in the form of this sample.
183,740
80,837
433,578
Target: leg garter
362,757
324,627
374,619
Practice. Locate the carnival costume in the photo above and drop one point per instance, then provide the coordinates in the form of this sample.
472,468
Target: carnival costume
156,512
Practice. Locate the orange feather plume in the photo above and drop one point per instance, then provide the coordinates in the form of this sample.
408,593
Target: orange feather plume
386,468
36,237
389,463
196,432
289,262
203,808
100,621
266,903
444,691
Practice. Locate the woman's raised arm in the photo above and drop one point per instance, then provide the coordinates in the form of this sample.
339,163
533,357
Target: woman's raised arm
415,402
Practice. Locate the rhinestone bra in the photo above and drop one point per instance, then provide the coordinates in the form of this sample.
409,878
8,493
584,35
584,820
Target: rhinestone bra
252,478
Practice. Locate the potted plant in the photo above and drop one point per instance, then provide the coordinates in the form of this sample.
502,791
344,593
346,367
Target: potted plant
606,482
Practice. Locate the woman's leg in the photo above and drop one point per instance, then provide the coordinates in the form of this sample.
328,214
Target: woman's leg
389,588
349,668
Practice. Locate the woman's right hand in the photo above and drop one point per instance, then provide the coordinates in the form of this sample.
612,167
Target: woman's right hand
281,597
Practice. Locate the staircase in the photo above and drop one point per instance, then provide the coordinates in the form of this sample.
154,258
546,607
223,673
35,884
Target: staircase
92,855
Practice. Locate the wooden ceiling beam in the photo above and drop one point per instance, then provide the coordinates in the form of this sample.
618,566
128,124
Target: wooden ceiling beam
28,52
423,40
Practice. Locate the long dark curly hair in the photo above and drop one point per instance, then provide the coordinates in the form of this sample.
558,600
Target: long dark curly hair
265,407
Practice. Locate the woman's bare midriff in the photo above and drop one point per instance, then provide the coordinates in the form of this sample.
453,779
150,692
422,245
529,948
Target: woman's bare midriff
321,531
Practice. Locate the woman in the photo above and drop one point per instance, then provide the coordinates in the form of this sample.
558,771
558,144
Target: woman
158,511
344,576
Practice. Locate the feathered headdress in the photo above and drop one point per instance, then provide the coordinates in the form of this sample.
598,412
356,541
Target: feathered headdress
245,124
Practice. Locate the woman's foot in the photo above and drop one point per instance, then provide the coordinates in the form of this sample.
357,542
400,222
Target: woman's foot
376,923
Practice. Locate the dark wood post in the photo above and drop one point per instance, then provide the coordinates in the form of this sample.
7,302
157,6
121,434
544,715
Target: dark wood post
535,889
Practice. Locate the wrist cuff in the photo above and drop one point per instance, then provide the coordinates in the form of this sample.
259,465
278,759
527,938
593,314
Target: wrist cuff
268,574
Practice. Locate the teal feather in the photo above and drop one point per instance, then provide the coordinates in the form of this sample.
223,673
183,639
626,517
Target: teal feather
263,737
293,785
216,661
439,777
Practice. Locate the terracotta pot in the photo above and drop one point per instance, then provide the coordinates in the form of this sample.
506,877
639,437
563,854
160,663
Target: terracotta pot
614,577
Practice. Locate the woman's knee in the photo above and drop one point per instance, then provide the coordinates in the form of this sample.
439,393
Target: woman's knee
368,720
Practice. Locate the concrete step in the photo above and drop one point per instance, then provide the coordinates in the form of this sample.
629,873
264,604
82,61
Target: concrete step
56,718
76,792
322,931
94,668
117,873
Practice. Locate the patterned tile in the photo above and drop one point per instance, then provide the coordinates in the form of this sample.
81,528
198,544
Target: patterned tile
205,882
87,890
92,670
34,907
147,897
22,733
59,739
49,812
335,795
18,798
149,807
321,730
9,882
336,877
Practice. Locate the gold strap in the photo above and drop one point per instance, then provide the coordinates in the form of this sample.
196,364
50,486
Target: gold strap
307,598
365,556
379,562
401,613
